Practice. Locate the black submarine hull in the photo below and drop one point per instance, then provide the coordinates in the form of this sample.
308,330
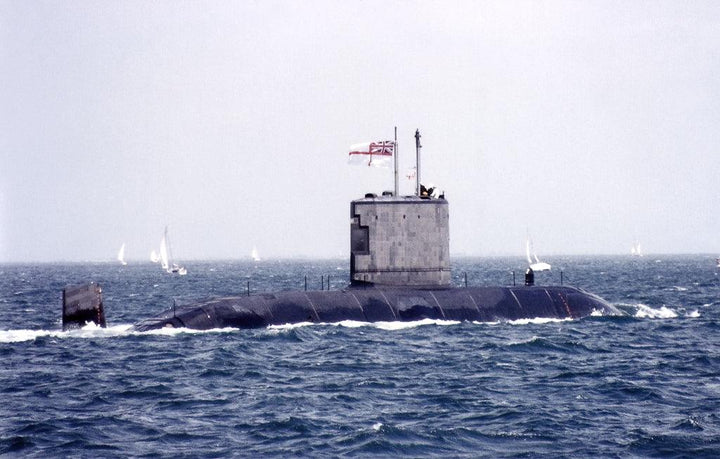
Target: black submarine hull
380,304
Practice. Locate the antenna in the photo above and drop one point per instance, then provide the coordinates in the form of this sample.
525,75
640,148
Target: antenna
417,161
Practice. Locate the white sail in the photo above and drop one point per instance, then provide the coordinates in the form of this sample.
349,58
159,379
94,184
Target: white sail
536,265
254,254
154,257
540,266
164,262
166,258
121,255
527,251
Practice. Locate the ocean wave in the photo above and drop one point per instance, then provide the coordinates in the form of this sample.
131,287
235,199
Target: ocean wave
391,326
92,330
402,325
643,311
88,331
538,321
646,312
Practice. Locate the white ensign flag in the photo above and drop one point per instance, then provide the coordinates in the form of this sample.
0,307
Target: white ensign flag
377,154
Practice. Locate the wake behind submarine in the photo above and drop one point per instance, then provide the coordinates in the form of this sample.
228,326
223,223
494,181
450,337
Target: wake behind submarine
399,271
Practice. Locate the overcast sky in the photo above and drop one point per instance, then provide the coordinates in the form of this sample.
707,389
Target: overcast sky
588,124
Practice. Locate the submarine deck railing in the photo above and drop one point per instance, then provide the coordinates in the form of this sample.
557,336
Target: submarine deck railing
325,282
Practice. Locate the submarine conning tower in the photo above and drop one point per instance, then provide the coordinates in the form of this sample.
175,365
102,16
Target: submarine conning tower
400,241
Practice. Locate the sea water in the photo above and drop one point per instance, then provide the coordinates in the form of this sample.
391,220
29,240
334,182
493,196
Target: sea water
646,384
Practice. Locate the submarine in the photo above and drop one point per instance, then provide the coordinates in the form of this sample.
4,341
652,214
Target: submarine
399,271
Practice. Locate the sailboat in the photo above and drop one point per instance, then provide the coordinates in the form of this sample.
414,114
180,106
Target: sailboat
254,254
635,250
121,255
536,265
166,257
154,257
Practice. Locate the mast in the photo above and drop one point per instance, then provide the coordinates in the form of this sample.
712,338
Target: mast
417,161
396,164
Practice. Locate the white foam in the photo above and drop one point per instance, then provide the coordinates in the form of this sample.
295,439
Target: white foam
352,324
537,320
476,322
88,331
524,341
289,326
92,330
95,331
377,426
646,312
15,336
412,324
396,325
695,314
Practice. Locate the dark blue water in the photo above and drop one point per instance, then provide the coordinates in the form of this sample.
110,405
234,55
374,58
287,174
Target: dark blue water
643,385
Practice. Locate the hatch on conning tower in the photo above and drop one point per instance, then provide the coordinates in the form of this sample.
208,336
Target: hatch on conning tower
400,241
